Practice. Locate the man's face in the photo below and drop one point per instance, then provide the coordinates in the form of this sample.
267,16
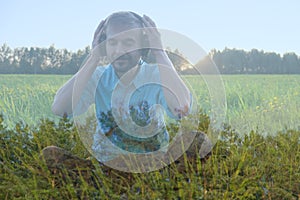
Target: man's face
123,46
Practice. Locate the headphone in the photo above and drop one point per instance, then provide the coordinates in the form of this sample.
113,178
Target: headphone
145,41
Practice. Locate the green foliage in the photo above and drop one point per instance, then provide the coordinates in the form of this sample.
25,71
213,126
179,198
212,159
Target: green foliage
252,167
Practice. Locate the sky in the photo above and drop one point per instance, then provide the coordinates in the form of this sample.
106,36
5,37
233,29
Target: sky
271,26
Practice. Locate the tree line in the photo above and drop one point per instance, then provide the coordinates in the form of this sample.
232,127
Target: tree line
35,60
235,61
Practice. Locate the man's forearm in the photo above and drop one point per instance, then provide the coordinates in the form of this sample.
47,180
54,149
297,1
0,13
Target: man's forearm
176,92
70,92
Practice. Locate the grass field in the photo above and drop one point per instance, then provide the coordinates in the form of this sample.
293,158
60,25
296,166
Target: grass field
252,167
266,103
28,98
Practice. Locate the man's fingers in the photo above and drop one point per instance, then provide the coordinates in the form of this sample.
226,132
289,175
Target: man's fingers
100,26
97,33
183,111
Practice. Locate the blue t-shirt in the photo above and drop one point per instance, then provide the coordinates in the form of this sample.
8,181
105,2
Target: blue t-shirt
130,118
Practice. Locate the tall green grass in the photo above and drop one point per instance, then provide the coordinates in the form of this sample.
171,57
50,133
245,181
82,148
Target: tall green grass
266,103
28,98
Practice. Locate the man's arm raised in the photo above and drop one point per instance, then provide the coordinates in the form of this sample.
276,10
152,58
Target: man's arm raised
177,94
70,93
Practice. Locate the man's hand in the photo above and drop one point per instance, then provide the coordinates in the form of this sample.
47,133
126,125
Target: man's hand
98,33
98,51
152,33
182,112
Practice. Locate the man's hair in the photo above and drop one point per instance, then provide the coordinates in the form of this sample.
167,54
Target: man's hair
126,18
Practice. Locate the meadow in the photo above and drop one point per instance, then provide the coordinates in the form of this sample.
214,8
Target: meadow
264,103
262,164
28,98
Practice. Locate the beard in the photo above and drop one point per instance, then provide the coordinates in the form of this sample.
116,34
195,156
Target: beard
124,63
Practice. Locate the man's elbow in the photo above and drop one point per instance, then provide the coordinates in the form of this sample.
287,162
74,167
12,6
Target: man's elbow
56,110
